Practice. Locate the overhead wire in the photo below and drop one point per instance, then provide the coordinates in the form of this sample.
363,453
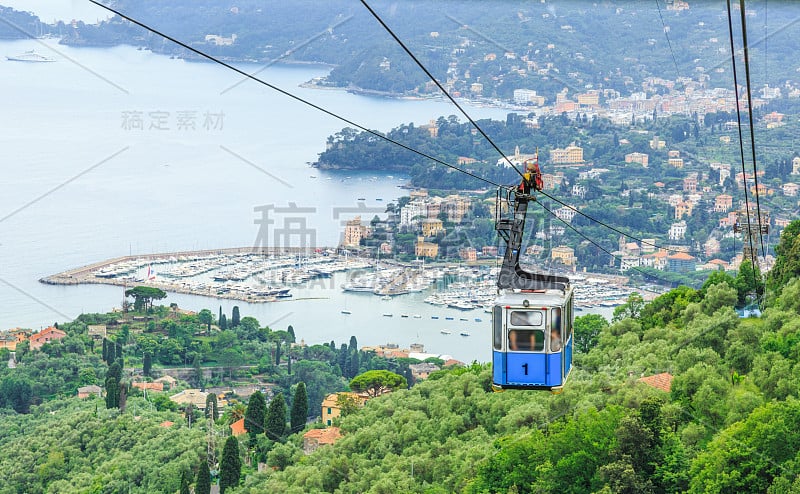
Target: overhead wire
739,126
295,97
380,135
666,35
438,84
750,117
489,139
586,237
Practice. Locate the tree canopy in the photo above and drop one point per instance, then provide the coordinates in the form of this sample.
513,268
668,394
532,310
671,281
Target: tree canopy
376,382
143,297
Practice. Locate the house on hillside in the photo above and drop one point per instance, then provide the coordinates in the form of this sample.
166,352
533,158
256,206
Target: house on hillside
46,336
168,381
661,381
193,396
11,338
154,386
331,408
315,438
91,390
238,428
97,331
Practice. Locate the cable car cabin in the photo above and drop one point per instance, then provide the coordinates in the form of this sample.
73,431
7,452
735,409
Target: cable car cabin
532,339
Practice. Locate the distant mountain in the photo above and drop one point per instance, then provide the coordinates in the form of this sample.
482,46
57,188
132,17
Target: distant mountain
498,45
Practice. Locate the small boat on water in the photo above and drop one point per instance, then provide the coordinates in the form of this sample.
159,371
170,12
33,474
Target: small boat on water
403,315
434,317
464,333
463,319
417,316
445,331
449,318
386,314
30,56
346,312
478,319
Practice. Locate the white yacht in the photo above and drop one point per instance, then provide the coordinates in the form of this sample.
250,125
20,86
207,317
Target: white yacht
30,56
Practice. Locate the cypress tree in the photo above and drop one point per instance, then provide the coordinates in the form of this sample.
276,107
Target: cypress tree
276,418
299,412
278,352
112,392
113,377
235,319
353,343
184,483
223,322
202,484
343,358
290,330
354,363
105,350
198,370
230,468
147,364
219,317
110,353
255,416
118,352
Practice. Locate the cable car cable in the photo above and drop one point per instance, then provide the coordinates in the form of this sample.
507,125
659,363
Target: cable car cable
488,139
295,97
438,84
739,126
750,117
666,35
612,228
644,273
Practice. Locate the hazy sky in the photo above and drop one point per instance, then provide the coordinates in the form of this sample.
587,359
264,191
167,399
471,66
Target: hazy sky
62,10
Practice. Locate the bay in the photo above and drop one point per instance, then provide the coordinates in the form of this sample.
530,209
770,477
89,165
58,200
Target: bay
82,183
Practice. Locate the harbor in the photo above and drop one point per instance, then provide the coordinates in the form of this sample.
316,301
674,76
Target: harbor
266,275
330,295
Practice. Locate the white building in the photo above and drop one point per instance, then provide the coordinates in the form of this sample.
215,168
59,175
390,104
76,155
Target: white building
565,213
527,97
411,214
677,231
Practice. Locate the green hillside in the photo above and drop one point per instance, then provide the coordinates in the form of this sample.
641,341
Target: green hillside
729,423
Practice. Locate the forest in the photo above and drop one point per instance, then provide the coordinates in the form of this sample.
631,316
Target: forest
725,421
727,424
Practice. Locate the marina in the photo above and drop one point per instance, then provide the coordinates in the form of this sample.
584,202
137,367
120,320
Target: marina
271,275
264,284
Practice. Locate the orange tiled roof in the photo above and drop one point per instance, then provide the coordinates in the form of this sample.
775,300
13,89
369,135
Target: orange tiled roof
153,386
661,381
324,436
166,423
238,428
682,256
57,333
